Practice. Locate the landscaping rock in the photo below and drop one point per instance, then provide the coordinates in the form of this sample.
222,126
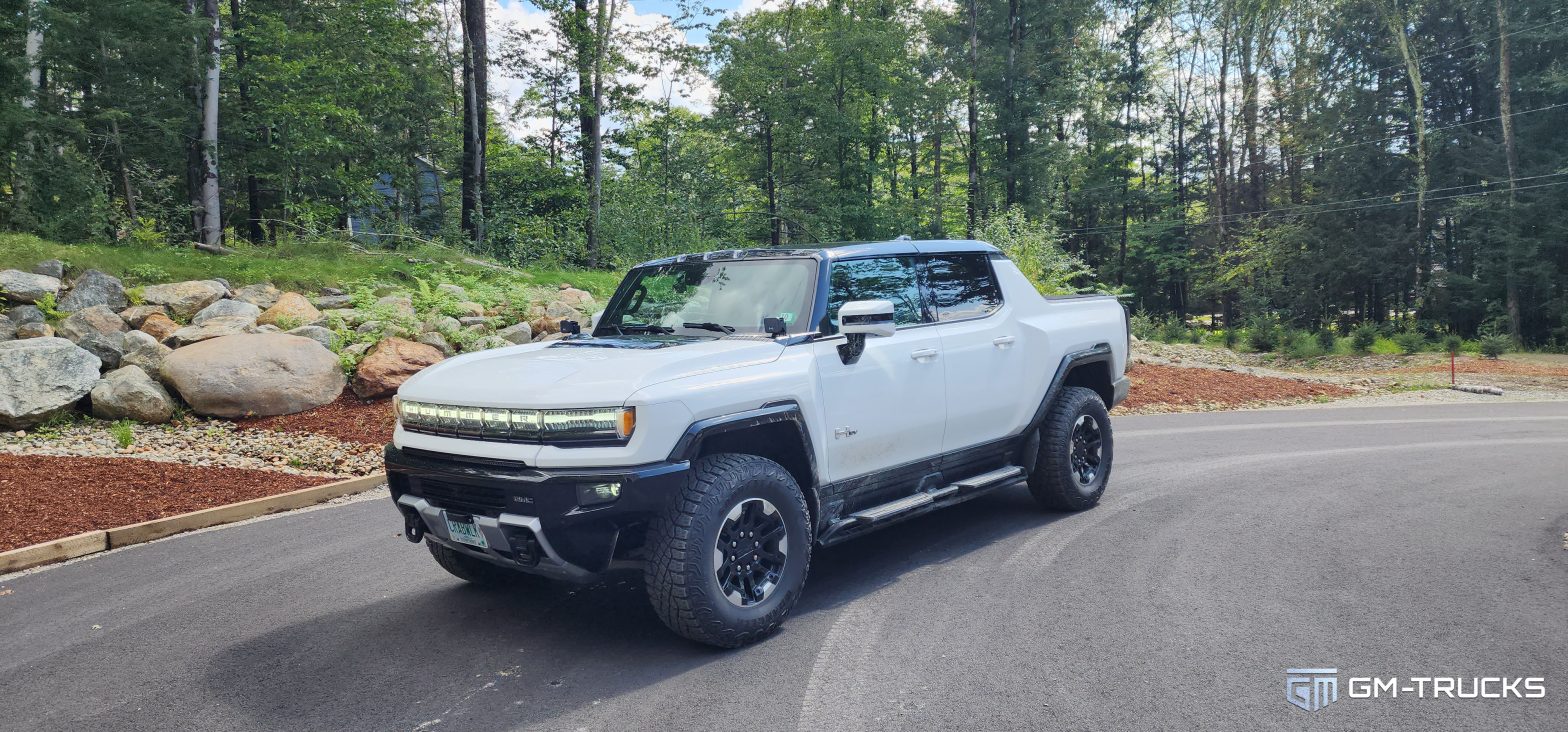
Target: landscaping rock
7,329
488,342
357,349
24,314
520,333
97,329
330,302
135,315
438,342
212,328
549,337
263,295
291,309
143,350
347,316
321,335
269,328
545,325
94,288
34,330
456,291
482,328
19,286
227,309
129,393
42,377
332,291
389,364
472,320
50,268
254,374
562,310
441,323
159,326
400,304
184,299
471,309
574,297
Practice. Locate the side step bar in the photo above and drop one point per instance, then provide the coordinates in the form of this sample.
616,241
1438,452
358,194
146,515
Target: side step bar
995,478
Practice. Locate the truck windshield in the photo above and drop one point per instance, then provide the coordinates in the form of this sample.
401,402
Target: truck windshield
714,299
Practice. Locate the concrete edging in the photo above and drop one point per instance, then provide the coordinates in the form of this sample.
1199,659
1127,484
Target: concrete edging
92,542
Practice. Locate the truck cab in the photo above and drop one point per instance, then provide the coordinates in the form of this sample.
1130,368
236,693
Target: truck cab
729,411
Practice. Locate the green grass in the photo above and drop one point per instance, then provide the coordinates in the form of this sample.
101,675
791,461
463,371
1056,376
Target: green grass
291,265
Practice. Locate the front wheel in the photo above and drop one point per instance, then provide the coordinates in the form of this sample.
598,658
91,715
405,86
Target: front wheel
1074,462
728,558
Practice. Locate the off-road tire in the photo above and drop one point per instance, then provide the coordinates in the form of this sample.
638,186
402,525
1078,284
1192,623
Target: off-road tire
1055,483
681,573
477,571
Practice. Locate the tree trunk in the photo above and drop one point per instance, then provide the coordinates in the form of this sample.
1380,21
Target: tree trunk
1012,145
1505,110
476,99
973,212
770,184
1395,21
937,227
253,230
211,215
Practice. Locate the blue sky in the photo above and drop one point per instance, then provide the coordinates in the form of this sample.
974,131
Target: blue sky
663,7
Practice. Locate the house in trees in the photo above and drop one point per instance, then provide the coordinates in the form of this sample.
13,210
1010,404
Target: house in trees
421,207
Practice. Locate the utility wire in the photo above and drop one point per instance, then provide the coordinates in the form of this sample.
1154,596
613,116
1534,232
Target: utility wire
1447,51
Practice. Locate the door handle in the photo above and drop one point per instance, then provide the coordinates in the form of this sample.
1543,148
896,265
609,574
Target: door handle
1004,342
924,354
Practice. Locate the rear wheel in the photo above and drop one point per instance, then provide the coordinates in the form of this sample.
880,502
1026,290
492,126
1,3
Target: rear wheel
471,569
1074,463
728,558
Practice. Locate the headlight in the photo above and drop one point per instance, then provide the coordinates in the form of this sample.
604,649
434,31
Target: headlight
521,425
592,494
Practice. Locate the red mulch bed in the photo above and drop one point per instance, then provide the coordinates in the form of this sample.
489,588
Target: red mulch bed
1177,386
348,419
1468,365
45,497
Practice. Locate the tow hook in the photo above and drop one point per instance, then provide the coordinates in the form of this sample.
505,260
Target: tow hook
413,526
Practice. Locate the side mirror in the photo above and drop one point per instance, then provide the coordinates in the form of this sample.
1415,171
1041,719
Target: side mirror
859,319
866,317
570,327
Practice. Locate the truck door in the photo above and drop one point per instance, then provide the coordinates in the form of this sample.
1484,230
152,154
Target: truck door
889,407
985,366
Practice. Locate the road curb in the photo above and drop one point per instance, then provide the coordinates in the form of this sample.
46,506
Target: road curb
92,542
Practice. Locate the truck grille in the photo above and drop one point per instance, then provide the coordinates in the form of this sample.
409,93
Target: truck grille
478,499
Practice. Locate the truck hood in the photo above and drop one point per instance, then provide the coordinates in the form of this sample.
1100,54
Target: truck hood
587,373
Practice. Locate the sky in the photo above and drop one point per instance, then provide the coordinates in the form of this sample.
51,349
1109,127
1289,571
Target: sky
642,13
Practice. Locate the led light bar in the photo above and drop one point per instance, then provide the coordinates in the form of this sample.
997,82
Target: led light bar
518,425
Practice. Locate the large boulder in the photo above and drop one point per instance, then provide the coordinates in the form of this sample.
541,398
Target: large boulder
254,375
519,333
24,314
557,309
34,330
438,342
42,377
470,309
185,299
159,326
19,286
399,305
389,364
129,393
332,302
97,329
211,328
141,349
50,267
291,311
321,335
439,324
94,288
263,295
455,291
7,329
227,309
574,297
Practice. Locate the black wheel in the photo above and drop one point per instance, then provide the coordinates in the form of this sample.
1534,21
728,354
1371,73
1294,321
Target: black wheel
1074,462
728,557
477,571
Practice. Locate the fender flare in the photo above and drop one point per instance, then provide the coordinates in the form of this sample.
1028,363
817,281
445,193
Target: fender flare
1098,353
690,443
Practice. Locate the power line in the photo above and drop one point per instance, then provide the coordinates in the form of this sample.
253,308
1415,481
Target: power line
1495,39
1318,208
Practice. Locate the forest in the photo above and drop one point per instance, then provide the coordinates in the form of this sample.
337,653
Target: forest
1302,164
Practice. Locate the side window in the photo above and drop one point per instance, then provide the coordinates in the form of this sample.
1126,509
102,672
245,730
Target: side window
962,286
885,278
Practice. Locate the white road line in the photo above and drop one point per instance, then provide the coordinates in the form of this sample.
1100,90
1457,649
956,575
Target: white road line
1193,429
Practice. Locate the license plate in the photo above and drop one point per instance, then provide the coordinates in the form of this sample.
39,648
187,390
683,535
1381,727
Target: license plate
463,530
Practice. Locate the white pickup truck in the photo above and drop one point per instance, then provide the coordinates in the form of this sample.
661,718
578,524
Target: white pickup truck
732,410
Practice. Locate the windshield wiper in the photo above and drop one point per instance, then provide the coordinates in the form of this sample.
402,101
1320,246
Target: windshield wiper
715,327
644,328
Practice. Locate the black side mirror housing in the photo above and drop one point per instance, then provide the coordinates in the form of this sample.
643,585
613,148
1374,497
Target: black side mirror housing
774,327
570,327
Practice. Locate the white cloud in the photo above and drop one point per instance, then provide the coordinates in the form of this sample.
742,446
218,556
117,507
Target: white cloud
696,95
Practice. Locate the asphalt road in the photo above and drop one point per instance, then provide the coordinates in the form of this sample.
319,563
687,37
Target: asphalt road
1415,541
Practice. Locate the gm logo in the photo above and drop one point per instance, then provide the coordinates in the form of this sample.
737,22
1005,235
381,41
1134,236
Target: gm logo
1311,688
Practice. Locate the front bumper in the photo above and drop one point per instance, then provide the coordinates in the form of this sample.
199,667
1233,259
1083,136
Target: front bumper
529,516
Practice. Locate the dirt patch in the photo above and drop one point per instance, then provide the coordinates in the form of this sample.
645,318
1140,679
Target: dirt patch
1157,388
1498,367
44,498
348,419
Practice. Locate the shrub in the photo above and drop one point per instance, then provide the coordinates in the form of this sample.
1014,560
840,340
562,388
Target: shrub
1410,341
1143,326
1493,346
1231,338
1173,332
1363,337
1326,340
1264,336
123,434
1452,344
46,305
1298,344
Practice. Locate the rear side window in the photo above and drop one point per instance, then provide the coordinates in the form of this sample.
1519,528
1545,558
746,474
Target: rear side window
895,279
962,286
